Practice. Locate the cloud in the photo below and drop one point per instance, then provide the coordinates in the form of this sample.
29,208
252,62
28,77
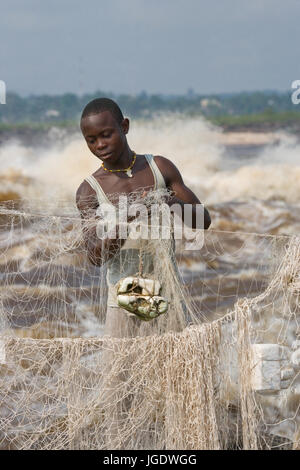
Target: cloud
158,45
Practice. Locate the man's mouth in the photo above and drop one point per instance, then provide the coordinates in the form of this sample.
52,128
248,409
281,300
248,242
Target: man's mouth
105,155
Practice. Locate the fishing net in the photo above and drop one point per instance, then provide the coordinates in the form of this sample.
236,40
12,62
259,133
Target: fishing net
219,370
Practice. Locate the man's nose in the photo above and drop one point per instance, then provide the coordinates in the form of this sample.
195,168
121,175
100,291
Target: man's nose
101,144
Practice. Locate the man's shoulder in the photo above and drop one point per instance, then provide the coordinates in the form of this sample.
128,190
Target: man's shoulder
161,160
85,195
167,168
85,187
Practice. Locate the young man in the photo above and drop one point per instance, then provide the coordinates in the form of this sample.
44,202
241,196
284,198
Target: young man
122,172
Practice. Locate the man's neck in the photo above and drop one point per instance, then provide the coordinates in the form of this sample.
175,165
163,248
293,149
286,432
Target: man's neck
123,162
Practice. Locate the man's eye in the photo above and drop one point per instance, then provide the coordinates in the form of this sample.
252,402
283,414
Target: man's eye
107,135
91,141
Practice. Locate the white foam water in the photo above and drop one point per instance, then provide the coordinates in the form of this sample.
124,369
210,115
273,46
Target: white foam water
194,145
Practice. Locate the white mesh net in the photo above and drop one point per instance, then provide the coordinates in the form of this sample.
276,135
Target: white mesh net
220,370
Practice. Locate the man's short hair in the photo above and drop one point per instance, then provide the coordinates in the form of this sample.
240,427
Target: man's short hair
103,104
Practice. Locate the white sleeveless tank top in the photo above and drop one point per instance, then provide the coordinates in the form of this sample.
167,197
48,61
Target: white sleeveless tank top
127,262
159,181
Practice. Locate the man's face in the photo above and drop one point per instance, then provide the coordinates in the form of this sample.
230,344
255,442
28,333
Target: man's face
104,136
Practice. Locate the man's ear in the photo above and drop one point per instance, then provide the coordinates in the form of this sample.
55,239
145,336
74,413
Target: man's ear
125,125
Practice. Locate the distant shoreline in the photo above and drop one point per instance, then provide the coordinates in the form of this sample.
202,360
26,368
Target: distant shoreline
260,122
41,133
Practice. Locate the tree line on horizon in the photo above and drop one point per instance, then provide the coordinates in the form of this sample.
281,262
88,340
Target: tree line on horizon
68,107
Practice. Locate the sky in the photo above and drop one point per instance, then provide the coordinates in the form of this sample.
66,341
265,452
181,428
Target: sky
160,46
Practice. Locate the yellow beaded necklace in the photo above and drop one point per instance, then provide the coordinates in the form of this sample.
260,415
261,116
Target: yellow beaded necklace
127,170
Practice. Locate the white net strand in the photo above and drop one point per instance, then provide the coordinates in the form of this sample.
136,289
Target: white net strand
219,370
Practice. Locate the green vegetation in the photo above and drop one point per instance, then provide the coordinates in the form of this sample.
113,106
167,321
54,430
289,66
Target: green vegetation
38,126
267,119
266,109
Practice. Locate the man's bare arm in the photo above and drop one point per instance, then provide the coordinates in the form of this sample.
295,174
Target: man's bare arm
182,194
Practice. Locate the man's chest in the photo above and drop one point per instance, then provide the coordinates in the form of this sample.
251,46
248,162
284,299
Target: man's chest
114,183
